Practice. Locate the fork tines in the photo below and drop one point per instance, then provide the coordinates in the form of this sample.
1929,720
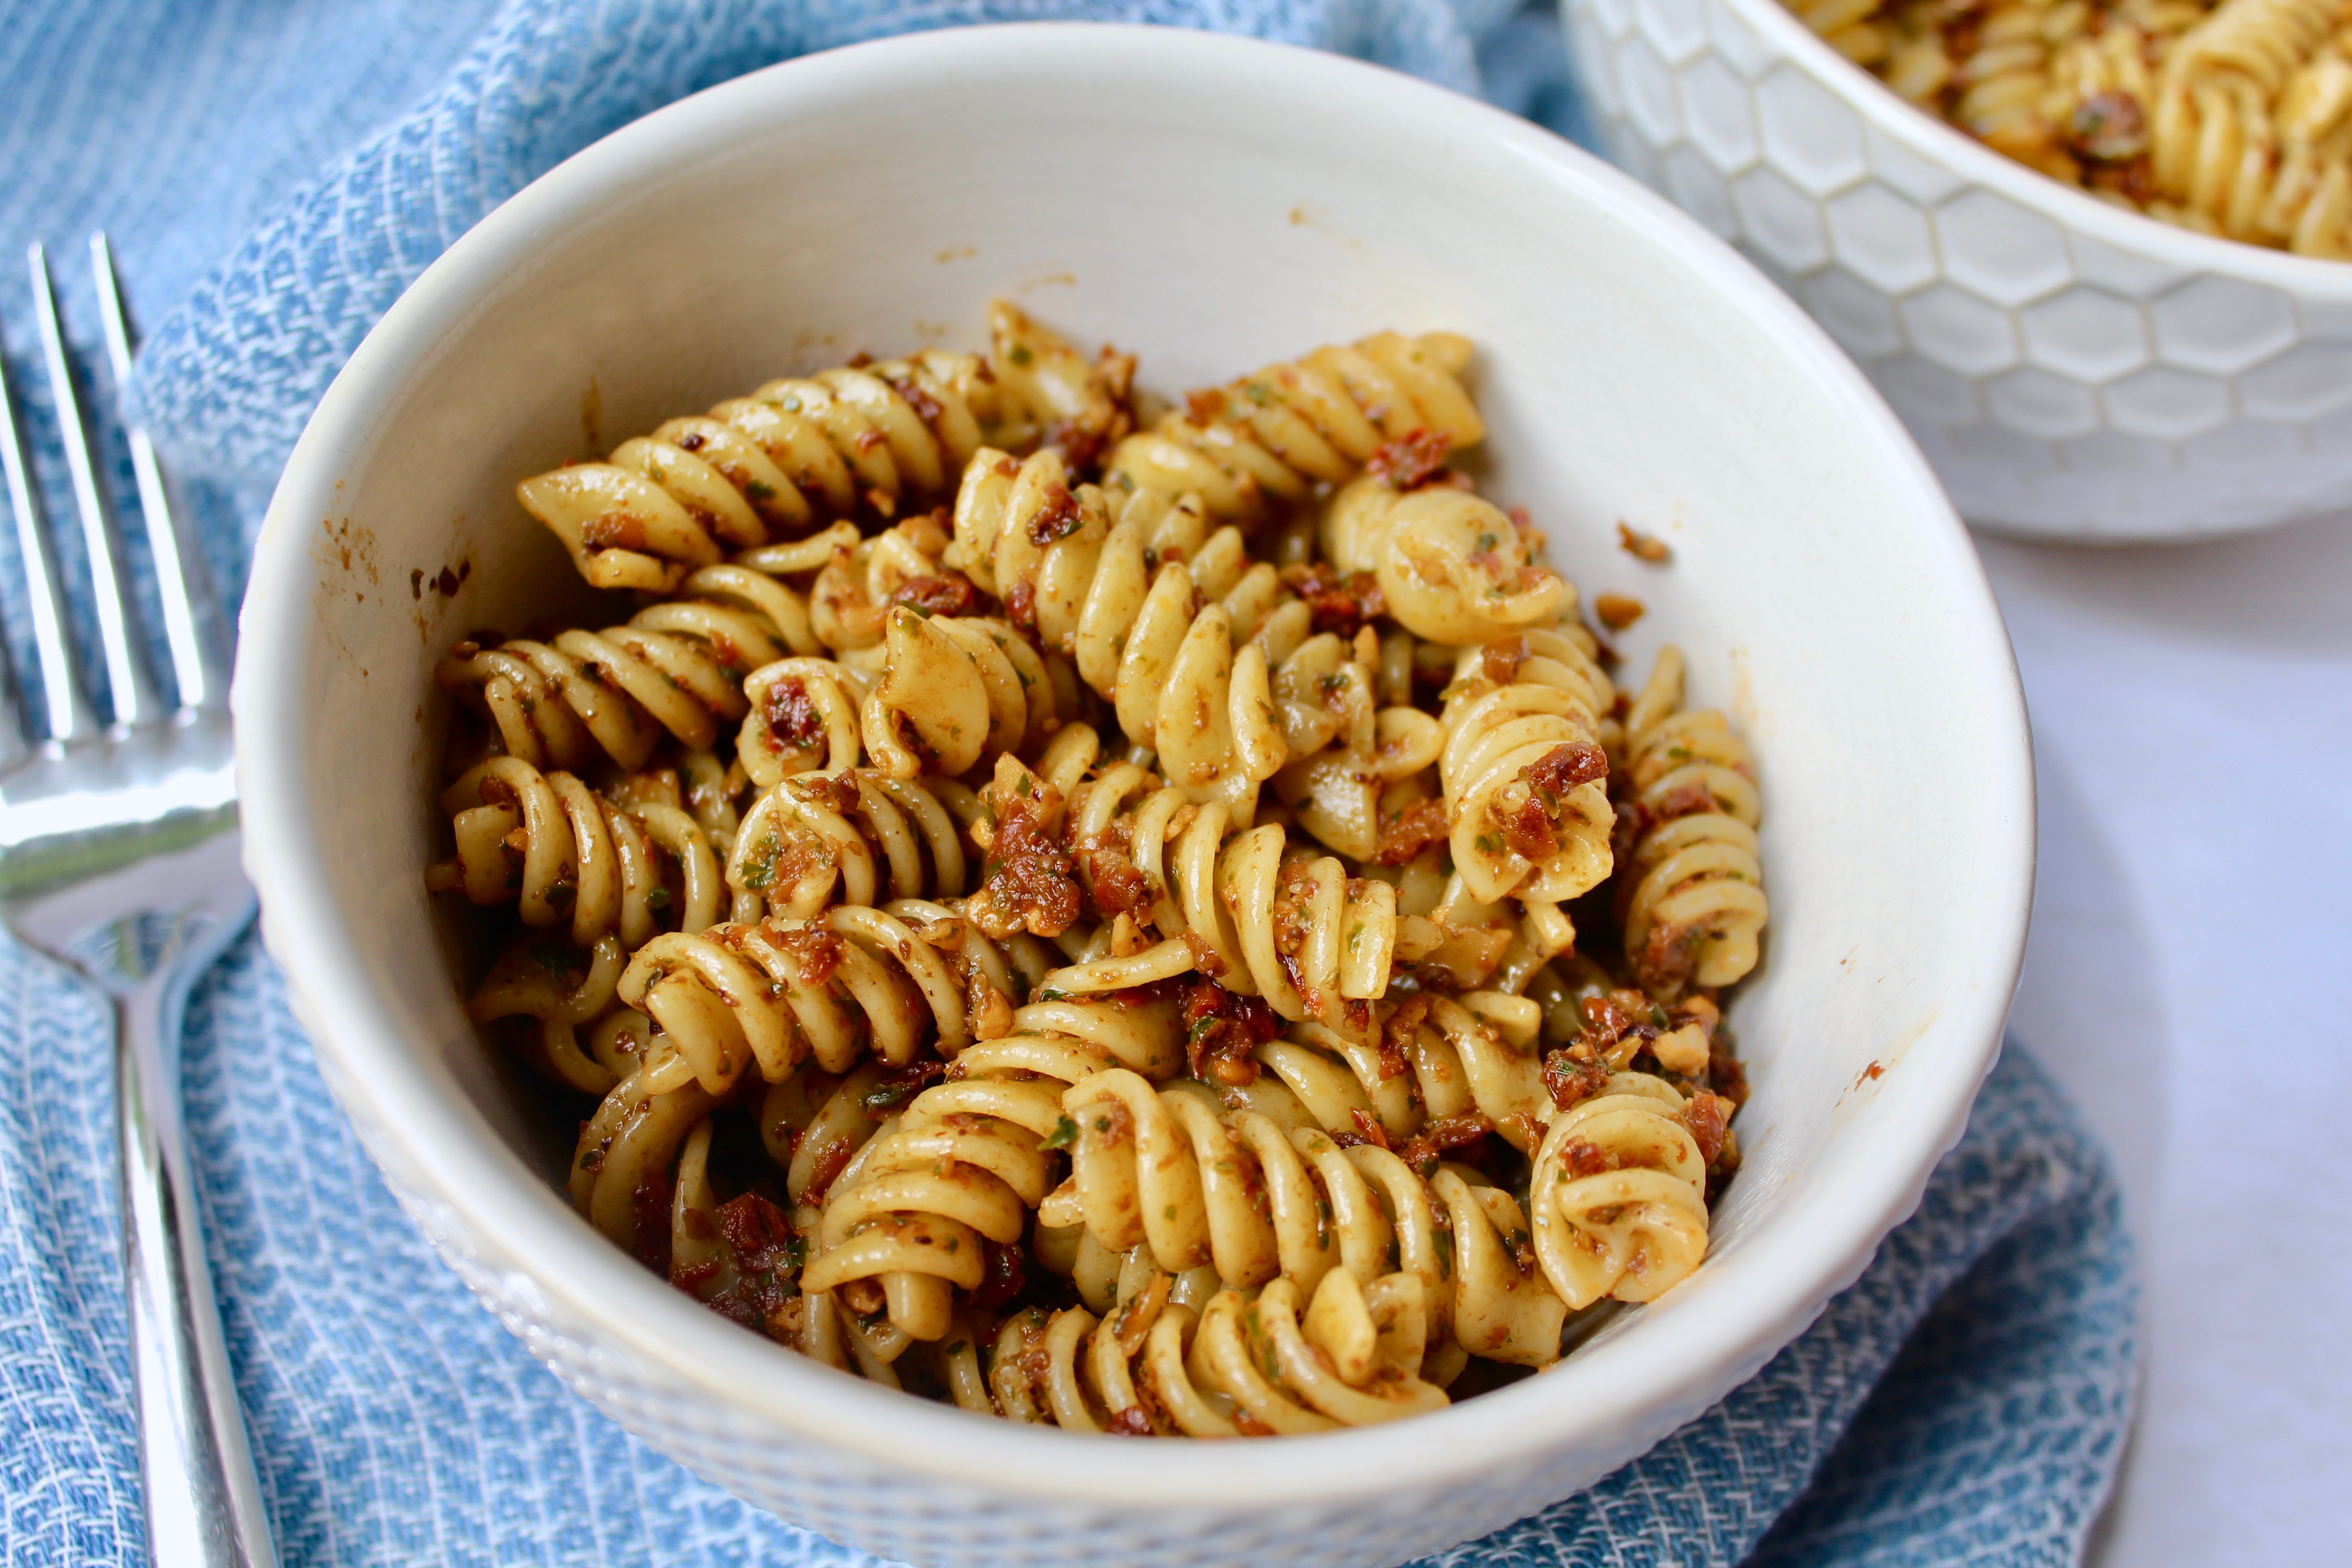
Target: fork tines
66,715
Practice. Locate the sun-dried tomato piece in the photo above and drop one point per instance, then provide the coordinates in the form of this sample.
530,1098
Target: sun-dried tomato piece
649,1207
1222,1032
1341,603
1004,1277
1584,1158
948,594
1028,881
1055,519
792,720
1118,887
1708,1117
1564,767
1411,460
816,952
1424,1147
1410,832
1573,1075
765,1254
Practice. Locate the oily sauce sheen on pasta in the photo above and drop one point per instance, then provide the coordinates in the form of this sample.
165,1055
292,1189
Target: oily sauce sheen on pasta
1151,918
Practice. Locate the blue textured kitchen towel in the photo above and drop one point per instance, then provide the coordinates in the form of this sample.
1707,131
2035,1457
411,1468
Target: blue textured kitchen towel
274,172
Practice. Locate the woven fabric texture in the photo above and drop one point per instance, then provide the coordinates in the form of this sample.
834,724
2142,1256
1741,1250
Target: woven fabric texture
273,177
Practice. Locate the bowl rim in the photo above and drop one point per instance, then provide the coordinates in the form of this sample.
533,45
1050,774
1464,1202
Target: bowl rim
1824,1240
1959,154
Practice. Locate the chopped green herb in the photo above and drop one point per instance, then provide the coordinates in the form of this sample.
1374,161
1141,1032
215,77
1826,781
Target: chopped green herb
1020,354
1064,1133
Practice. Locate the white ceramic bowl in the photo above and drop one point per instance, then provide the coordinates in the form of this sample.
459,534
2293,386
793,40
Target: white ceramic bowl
2071,369
1212,204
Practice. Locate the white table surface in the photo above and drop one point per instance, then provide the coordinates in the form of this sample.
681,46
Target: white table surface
2192,713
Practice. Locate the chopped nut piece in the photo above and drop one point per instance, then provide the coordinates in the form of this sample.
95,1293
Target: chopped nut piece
1682,1050
1641,546
1617,611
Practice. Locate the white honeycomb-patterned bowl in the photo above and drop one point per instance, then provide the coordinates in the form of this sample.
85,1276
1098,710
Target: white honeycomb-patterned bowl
1212,204
2072,370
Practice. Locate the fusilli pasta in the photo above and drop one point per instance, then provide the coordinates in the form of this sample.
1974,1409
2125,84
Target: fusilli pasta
1184,937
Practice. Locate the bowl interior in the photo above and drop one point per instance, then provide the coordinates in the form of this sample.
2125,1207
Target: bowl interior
1214,207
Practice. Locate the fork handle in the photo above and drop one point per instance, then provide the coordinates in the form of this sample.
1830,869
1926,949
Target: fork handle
203,1502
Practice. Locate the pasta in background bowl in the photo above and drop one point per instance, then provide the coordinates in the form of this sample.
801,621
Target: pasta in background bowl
2072,369
1208,204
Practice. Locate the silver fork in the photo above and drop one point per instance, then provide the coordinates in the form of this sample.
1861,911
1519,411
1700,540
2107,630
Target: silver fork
119,859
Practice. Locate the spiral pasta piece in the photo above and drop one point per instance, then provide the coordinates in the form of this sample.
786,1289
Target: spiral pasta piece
1435,1062
1523,769
965,1163
850,600
1695,908
1311,936
796,452
800,716
867,438
1619,1196
1080,564
1350,1356
774,993
1268,439
955,690
675,667
1076,406
1002,1099
861,832
1849,27
1345,749
1163,1169
533,980
1146,853
618,1173
915,1204
1452,568
565,856
1169,662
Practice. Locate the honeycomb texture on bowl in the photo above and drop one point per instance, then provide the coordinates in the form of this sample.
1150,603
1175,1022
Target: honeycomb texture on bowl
2060,386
